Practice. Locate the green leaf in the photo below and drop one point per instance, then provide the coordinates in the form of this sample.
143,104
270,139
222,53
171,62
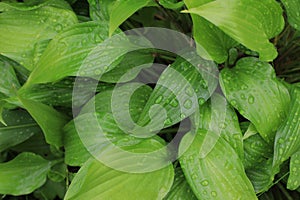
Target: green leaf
75,151
178,91
217,115
292,8
218,175
180,188
294,179
261,21
123,9
23,174
33,4
214,43
95,176
23,26
61,93
261,176
19,127
9,83
287,141
100,9
171,4
50,120
256,151
252,88
80,50
51,190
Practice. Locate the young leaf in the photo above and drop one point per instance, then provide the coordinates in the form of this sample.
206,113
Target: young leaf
23,174
50,120
123,9
287,141
292,8
180,188
214,44
218,175
253,28
95,176
294,178
252,88
25,25
19,127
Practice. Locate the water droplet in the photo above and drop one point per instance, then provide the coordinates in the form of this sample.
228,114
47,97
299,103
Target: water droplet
188,104
243,96
213,193
174,103
204,183
97,71
201,101
233,103
296,183
280,151
189,91
251,99
194,176
159,99
280,140
182,116
294,169
168,121
58,27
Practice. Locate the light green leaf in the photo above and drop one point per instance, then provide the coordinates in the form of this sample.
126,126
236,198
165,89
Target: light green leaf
294,178
123,9
287,141
293,12
218,175
23,174
212,42
50,120
19,127
260,21
95,176
178,91
217,115
33,4
180,188
22,27
252,88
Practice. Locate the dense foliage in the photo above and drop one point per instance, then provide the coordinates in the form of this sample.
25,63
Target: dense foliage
243,133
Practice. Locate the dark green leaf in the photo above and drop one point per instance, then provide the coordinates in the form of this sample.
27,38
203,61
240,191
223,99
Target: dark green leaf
294,178
293,11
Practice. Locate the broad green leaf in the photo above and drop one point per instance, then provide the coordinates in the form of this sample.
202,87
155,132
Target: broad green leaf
9,83
292,8
256,151
261,21
123,9
81,50
287,140
212,42
51,190
50,120
100,9
75,152
218,175
19,127
294,178
95,176
171,4
261,176
180,188
23,174
216,115
178,91
22,29
252,88
61,93
33,4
